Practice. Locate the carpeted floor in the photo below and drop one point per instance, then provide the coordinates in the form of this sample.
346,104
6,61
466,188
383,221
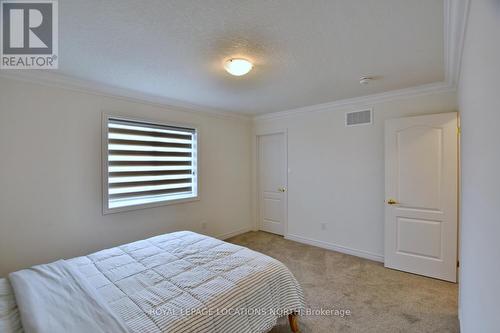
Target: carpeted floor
380,299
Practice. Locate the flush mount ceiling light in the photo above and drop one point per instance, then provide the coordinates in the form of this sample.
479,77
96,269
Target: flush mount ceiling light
238,66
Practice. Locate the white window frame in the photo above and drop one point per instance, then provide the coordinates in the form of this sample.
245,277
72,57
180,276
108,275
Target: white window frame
104,158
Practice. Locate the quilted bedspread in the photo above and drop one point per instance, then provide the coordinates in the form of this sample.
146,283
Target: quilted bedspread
10,321
186,282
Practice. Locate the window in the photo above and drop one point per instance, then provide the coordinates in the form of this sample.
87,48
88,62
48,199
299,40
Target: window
147,164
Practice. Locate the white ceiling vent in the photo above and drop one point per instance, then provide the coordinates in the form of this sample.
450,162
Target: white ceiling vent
356,118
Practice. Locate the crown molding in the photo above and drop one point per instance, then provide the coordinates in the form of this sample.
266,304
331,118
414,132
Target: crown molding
51,79
364,101
456,13
455,24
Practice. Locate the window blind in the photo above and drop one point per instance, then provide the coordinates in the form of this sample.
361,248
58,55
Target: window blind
149,163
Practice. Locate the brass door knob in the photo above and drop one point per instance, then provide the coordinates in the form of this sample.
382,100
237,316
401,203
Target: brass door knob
392,202
282,189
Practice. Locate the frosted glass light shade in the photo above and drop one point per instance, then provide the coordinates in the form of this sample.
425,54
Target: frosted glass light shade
238,67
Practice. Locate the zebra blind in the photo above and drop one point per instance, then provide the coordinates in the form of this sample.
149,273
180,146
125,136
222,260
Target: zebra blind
149,163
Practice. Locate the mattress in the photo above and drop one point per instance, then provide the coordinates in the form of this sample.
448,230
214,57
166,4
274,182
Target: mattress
187,282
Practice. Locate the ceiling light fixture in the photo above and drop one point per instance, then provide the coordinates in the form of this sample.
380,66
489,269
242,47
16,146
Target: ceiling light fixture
238,66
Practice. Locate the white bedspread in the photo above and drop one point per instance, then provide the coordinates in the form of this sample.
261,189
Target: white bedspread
54,298
178,282
10,321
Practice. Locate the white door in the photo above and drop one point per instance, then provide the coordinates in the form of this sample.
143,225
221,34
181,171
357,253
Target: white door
421,171
272,182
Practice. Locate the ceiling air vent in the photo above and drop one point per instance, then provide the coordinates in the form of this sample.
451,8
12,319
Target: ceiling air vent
356,118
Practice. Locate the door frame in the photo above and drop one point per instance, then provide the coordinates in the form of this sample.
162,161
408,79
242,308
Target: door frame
258,208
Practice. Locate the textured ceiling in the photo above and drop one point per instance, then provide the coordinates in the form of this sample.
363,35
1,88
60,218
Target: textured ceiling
305,52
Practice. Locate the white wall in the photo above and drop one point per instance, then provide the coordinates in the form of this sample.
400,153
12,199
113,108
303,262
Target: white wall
50,176
336,174
479,97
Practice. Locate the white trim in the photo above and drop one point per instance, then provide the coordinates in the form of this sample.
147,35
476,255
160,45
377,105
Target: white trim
336,247
455,25
257,178
51,79
460,318
455,22
234,233
271,131
364,101
456,13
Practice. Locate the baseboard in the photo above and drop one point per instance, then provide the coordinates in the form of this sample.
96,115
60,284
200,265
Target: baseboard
460,318
335,247
234,233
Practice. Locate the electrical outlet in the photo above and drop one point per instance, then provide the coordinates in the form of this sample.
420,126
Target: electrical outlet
323,225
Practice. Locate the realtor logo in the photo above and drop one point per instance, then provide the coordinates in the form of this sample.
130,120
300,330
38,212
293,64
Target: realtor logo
29,34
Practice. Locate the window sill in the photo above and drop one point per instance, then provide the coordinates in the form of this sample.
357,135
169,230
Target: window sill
107,210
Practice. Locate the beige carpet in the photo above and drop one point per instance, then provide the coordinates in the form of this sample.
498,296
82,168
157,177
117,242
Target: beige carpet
380,299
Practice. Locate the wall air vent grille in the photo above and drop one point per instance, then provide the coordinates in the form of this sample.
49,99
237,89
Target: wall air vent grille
356,118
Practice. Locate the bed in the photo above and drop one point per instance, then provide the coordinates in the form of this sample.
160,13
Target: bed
177,282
